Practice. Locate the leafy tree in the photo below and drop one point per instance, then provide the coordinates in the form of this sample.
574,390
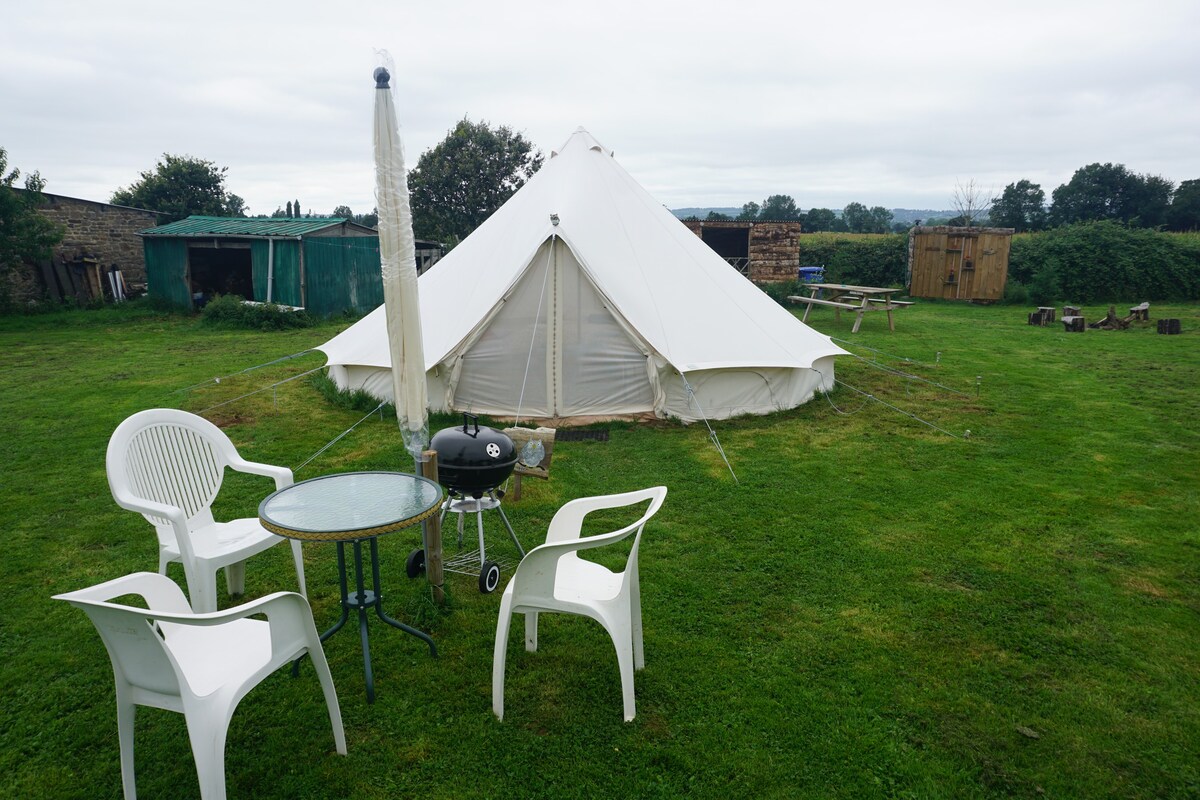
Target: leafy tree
1111,192
180,186
25,235
819,219
750,211
857,218
460,182
343,211
1184,213
716,216
779,207
369,220
1021,206
881,220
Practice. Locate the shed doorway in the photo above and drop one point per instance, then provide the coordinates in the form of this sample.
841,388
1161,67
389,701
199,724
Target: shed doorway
220,270
731,244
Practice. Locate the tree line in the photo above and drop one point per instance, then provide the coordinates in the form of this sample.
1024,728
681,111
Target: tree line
1095,193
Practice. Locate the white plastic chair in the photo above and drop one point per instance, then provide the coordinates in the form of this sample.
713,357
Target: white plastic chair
552,577
168,465
200,665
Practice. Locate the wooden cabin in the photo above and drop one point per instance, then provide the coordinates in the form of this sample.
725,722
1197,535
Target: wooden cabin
958,263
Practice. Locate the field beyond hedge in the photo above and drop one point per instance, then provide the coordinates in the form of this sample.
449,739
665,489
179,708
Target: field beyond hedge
877,608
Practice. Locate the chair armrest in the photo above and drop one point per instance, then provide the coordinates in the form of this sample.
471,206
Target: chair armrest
282,475
161,593
535,575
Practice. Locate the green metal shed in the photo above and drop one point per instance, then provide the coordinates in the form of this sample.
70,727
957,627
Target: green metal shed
325,265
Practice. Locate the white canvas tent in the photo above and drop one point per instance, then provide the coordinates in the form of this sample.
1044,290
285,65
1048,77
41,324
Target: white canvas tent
584,297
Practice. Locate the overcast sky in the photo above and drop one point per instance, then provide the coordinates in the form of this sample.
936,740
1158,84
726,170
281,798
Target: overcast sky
704,103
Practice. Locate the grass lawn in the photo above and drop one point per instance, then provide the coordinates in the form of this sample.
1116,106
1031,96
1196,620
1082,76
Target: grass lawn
875,609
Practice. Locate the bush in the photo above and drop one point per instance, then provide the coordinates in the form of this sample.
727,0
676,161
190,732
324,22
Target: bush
231,311
1098,262
779,292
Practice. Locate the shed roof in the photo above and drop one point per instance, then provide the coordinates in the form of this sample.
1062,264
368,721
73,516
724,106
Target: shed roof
249,226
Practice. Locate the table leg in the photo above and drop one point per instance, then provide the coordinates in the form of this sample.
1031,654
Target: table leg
859,315
379,603
363,599
337,626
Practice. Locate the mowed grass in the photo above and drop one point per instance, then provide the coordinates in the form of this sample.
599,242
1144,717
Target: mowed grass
876,608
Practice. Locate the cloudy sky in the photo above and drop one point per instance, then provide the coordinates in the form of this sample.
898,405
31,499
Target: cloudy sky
705,103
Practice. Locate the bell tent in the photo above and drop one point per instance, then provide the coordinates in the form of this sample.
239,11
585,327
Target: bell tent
584,297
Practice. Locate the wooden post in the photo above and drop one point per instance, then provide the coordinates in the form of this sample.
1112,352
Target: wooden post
433,535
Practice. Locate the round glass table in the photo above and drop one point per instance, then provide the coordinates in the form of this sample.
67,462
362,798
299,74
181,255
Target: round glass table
354,508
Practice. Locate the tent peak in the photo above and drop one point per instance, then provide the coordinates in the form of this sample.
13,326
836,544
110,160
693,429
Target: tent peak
581,139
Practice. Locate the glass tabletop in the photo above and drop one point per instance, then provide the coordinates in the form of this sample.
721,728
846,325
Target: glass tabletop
350,505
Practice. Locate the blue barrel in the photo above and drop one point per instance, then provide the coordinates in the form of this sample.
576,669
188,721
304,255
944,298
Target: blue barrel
811,275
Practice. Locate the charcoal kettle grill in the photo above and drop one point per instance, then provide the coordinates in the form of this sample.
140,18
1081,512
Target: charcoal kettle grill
472,463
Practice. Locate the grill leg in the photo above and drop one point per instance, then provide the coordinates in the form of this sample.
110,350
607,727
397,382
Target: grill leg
508,525
482,553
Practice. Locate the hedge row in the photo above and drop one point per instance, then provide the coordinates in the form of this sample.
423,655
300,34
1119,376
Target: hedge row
1090,262
1098,262
866,260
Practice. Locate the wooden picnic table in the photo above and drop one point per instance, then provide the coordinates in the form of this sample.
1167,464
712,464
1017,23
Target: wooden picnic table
859,299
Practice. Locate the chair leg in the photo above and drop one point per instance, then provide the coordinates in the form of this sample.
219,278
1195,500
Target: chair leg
500,655
126,712
298,558
207,736
531,625
235,578
620,640
321,667
202,588
635,625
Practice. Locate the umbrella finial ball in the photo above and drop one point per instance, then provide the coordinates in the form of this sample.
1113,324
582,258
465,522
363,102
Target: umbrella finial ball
381,78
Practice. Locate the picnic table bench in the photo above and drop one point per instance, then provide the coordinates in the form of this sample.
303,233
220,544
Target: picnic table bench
859,299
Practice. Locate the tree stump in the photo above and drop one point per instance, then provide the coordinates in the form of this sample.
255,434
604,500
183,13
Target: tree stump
1168,326
1072,311
1073,324
1036,318
1111,321
1047,313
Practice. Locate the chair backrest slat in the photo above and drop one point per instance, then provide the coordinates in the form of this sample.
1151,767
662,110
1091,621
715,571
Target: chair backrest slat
174,465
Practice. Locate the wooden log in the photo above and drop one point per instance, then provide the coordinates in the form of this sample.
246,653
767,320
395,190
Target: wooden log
1036,318
434,571
1047,313
1072,311
1073,324
1168,326
1140,312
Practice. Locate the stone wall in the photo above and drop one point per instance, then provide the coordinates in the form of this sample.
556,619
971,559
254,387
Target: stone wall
774,251
773,246
103,232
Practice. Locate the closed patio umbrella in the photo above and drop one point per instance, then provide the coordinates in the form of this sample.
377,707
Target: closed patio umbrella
399,269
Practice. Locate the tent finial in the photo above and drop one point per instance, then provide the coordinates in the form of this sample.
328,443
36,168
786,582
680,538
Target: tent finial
554,219
381,78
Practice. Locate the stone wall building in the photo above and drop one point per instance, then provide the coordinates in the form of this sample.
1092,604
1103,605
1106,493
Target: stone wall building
763,251
103,232
99,239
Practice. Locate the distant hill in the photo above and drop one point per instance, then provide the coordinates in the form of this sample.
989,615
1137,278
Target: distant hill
905,215
684,213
